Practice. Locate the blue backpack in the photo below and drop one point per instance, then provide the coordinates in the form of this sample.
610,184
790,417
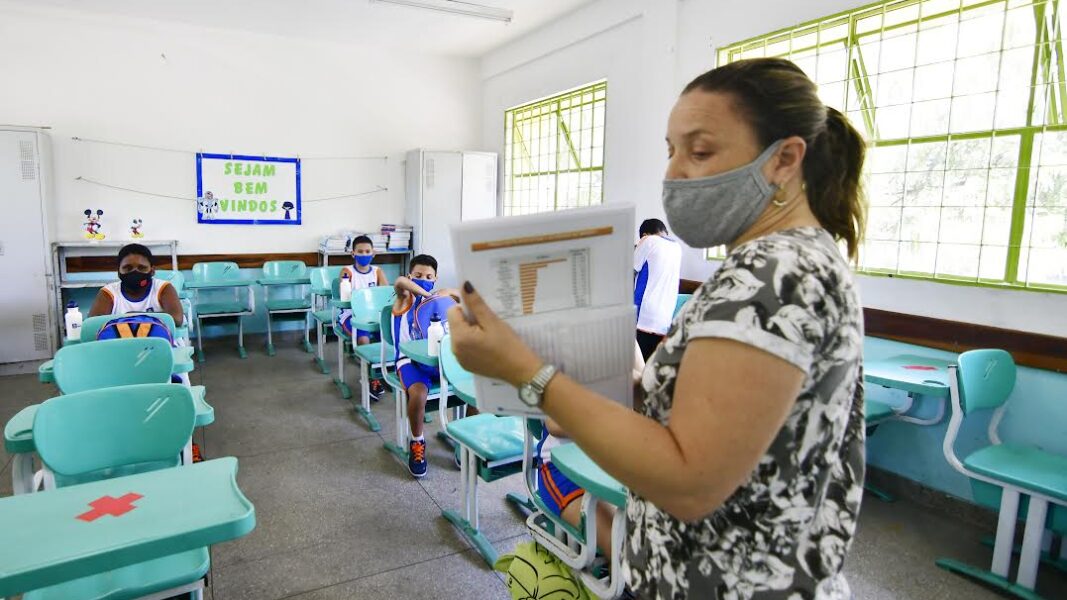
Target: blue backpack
134,326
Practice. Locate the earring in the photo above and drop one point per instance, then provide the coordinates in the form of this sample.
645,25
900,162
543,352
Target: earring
777,198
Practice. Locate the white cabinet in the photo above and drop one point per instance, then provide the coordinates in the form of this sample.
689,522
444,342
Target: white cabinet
25,325
445,188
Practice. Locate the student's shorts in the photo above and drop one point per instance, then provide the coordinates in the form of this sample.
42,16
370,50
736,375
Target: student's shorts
648,342
413,373
555,490
344,321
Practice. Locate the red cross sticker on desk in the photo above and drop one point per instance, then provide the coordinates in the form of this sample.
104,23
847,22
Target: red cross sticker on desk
106,505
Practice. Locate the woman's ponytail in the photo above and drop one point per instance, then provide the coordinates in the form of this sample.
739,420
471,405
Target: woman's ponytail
833,170
779,100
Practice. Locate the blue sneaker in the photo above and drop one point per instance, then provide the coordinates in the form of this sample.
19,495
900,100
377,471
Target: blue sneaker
417,458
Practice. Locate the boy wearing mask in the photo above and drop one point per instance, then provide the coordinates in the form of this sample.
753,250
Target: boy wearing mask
362,274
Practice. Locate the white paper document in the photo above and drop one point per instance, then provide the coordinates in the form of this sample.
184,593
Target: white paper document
564,282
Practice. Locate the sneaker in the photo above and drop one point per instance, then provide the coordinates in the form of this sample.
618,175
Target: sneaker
376,390
417,458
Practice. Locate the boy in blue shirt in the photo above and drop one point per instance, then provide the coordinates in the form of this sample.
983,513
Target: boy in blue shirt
415,306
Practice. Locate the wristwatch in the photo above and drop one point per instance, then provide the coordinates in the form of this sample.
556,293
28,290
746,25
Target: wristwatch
532,392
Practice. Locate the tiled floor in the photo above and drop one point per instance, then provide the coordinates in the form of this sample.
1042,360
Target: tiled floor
338,517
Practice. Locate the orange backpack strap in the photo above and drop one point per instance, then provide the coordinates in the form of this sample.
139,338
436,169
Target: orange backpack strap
124,330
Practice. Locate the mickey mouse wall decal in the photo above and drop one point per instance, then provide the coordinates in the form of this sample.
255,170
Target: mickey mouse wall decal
93,225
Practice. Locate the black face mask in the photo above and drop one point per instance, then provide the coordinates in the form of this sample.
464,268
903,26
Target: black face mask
136,281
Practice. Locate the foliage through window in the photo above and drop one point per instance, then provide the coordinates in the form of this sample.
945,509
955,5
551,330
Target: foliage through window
554,152
964,105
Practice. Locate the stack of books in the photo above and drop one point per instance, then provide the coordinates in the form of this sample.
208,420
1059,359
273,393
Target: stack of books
399,237
335,243
381,241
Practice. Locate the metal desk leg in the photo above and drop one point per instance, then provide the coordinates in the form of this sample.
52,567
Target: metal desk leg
339,381
241,337
270,326
22,473
1030,556
199,338
364,396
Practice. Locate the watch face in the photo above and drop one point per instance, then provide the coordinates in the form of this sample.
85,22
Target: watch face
528,395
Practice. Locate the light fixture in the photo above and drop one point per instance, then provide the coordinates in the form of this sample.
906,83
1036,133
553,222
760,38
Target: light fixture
457,7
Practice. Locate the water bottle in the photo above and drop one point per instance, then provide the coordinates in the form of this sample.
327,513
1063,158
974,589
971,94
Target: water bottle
346,287
73,319
434,335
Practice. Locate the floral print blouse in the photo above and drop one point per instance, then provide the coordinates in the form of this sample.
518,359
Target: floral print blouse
785,532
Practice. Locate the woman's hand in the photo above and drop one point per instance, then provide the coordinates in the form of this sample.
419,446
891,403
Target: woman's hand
486,345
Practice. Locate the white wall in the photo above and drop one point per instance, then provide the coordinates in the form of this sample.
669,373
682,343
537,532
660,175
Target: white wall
175,86
648,50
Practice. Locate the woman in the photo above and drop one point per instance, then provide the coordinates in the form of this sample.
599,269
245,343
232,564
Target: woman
745,469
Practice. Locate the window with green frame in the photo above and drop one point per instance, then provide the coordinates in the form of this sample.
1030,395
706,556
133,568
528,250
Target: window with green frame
964,105
554,152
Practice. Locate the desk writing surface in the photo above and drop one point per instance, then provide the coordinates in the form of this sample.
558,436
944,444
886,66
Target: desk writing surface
909,372
228,283
285,281
55,536
419,351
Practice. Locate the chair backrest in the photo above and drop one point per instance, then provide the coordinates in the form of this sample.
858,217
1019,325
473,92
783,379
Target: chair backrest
110,363
322,279
91,326
385,326
284,269
450,364
682,299
216,271
176,278
368,302
986,379
111,432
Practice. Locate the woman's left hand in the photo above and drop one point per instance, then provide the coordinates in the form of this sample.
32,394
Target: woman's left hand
486,345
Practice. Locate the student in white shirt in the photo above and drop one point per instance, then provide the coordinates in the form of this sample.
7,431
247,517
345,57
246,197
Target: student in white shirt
657,271
137,290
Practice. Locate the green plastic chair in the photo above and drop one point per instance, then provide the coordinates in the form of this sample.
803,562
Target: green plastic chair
113,363
399,446
91,327
599,487
221,272
983,380
177,279
490,448
682,299
101,434
367,305
321,292
282,270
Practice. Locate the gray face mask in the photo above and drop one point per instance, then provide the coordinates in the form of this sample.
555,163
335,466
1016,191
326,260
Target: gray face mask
716,210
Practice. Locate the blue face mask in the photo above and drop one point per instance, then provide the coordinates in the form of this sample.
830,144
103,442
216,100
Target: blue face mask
364,259
425,284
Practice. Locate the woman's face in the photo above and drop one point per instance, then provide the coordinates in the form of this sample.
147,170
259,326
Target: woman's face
706,136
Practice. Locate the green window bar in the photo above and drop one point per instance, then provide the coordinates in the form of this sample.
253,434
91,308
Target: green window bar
554,151
964,106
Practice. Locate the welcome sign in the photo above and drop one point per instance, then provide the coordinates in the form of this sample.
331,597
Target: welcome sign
247,190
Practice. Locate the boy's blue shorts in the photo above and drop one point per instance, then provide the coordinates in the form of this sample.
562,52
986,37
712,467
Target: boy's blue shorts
413,373
555,490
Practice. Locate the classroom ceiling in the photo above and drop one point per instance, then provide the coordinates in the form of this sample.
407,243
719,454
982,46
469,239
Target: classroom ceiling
346,21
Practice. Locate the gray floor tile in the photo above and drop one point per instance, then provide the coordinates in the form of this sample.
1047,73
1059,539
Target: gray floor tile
895,548
498,518
390,542
269,417
333,493
456,576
